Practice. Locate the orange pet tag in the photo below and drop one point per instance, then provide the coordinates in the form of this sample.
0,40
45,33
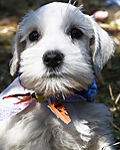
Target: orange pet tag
59,110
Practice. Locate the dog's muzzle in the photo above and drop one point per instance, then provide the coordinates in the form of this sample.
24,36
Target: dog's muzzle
53,59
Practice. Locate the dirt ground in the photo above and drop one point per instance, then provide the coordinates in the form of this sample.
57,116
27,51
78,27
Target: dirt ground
109,81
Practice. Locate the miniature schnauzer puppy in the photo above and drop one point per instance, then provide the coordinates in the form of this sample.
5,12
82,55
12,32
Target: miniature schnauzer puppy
58,51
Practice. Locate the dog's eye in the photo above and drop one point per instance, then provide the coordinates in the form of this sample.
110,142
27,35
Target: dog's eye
75,33
33,36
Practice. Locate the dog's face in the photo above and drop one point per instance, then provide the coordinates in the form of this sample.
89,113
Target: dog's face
52,48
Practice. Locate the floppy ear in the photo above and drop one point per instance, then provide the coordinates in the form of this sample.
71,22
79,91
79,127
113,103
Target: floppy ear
17,47
102,46
29,22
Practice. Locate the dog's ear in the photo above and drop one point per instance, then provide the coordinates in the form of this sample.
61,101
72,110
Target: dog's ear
20,42
17,47
102,46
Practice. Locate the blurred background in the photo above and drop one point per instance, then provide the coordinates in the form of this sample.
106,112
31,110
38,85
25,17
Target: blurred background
11,13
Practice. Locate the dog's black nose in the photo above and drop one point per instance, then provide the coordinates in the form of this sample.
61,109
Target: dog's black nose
53,59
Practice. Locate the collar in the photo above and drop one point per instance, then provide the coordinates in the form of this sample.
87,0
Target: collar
84,95
55,104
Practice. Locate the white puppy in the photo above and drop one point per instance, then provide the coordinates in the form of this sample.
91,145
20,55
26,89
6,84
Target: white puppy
58,49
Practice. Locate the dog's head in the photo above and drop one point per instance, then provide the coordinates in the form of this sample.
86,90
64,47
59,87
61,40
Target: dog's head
54,50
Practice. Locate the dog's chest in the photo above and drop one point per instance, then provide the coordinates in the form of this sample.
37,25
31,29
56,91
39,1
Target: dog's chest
42,130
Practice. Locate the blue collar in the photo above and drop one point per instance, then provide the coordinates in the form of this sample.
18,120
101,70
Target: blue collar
84,95
11,108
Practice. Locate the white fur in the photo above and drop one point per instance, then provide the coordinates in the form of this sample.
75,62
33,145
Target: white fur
36,127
